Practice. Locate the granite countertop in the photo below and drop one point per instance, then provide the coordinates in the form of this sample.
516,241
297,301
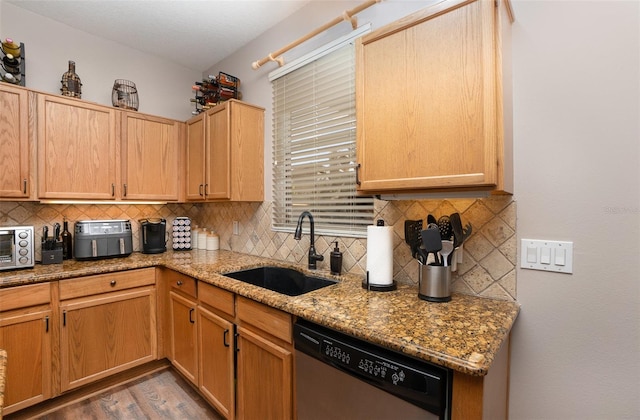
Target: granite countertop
464,334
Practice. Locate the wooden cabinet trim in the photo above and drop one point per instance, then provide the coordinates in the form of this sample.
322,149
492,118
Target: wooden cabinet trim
270,320
106,283
183,284
216,298
23,296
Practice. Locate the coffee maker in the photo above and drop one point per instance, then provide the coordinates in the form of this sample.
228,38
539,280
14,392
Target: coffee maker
153,236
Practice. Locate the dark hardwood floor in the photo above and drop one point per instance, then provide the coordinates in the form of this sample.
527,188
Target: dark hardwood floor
159,395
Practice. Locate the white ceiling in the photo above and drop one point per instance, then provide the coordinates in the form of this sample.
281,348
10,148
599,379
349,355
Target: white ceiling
194,33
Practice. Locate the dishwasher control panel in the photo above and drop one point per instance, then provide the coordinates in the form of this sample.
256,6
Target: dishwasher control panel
418,382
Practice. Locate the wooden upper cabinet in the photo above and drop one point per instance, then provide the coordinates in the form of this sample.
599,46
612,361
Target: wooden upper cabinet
433,101
76,149
15,182
150,157
225,153
195,168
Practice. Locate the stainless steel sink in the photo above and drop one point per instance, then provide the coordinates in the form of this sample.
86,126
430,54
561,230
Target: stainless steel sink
282,280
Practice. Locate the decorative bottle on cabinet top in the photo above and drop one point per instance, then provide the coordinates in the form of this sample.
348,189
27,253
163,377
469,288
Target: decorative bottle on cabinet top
71,85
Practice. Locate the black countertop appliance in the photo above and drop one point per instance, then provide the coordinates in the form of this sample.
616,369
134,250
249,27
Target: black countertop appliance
153,236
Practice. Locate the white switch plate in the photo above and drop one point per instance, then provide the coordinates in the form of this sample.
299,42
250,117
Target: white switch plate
555,256
236,227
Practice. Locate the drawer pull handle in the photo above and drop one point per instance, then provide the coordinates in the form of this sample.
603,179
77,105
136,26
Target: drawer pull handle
113,283
64,318
191,320
200,190
113,190
125,189
224,337
236,335
24,186
179,283
357,175
46,324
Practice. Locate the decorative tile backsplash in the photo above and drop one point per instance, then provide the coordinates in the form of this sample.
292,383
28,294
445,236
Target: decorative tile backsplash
489,259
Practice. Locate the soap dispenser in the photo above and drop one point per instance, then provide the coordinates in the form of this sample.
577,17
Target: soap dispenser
336,260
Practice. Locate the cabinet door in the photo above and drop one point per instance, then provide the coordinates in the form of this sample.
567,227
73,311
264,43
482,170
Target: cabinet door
217,178
216,367
426,101
264,378
105,334
196,157
149,157
184,347
76,149
14,138
27,339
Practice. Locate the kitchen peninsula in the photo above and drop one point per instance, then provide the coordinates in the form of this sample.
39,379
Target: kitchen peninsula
465,335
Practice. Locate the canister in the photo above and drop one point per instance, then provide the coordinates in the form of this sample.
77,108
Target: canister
434,283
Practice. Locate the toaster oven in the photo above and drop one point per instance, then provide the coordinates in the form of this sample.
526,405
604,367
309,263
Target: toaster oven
16,247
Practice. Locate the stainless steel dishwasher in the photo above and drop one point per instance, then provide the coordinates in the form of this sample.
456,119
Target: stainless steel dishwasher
341,377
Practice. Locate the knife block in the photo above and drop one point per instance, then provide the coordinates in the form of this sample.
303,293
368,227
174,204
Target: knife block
52,256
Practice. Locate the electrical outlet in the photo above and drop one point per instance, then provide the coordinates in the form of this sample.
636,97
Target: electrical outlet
236,227
554,256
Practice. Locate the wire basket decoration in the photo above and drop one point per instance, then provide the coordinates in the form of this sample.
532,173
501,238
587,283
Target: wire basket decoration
124,94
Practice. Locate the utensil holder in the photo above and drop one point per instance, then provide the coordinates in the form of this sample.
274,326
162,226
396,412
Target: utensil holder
434,283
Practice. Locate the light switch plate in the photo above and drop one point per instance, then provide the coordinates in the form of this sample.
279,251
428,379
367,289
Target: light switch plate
554,256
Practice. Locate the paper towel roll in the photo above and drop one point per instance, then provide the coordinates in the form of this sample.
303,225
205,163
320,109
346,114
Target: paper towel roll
380,255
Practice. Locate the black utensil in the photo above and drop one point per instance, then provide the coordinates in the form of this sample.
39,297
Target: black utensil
431,219
444,225
412,237
56,231
432,242
456,227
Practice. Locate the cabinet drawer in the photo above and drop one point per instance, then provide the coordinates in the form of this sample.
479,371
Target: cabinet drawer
183,284
103,283
216,298
266,318
24,296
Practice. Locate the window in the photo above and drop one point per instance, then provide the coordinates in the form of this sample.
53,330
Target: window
314,156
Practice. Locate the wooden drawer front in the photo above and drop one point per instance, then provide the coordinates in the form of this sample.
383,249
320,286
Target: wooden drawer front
183,284
216,298
266,318
103,283
24,296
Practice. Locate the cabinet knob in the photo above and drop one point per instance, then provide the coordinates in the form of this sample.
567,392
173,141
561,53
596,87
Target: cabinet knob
179,283
112,283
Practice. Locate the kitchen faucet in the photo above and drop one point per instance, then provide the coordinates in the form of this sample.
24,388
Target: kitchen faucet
313,257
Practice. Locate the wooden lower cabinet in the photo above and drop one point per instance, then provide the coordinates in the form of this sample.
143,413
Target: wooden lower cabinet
216,362
265,378
25,334
265,361
184,336
106,333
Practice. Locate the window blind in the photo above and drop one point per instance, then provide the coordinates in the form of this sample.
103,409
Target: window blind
314,156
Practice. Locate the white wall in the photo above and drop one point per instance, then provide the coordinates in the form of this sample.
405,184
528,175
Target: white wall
576,344
164,88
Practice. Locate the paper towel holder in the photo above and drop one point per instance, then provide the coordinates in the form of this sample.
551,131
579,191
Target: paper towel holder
378,287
